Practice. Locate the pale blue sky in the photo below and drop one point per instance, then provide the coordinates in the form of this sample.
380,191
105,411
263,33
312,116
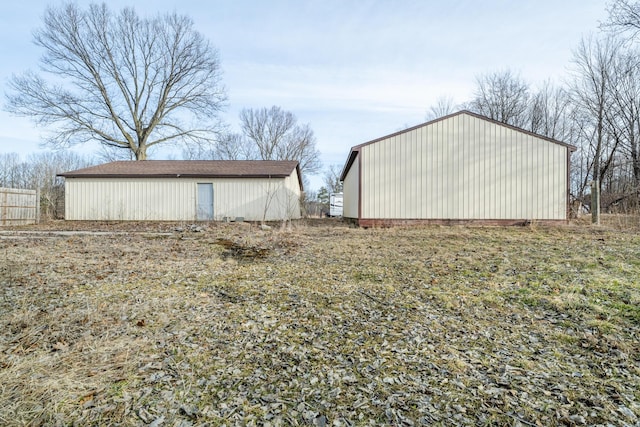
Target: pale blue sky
354,70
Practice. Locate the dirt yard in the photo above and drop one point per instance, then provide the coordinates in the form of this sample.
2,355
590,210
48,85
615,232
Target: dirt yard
320,324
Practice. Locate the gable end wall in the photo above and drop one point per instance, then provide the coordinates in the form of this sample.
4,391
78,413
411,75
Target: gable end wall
463,168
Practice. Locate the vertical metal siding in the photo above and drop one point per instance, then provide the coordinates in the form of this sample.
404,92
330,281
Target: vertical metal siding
460,168
351,191
175,199
129,199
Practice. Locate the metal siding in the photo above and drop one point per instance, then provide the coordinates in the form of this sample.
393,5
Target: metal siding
363,181
478,175
439,177
256,199
452,181
432,152
368,210
175,199
448,139
350,190
394,153
494,181
366,167
460,168
389,208
421,160
290,197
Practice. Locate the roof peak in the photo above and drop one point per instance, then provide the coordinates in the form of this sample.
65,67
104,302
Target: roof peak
470,113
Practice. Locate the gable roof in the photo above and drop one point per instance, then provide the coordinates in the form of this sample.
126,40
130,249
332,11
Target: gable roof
356,149
190,169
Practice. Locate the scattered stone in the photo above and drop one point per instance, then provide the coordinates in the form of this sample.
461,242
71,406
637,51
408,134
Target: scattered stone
577,419
157,422
627,413
320,421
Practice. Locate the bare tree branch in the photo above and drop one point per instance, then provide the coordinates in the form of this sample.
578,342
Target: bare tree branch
444,105
624,17
278,136
502,96
331,179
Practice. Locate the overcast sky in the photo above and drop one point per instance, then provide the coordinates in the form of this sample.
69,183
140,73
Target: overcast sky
354,70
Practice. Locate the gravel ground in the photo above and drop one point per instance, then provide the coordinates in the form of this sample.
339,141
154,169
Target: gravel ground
178,325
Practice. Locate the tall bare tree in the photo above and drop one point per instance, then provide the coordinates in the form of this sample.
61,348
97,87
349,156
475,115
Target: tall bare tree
130,83
592,92
623,118
278,136
502,96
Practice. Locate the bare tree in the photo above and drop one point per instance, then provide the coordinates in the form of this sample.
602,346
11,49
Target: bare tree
332,179
235,146
623,119
549,112
13,171
444,106
501,96
230,146
594,77
278,136
130,83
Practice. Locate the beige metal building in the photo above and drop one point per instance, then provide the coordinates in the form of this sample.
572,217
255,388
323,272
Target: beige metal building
184,190
460,168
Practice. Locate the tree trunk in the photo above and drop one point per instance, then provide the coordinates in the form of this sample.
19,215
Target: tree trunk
595,202
141,152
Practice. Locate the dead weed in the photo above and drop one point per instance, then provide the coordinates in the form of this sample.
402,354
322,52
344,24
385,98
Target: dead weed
234,325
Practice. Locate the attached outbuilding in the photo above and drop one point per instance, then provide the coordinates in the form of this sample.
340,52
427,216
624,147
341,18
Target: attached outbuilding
184,190
461,168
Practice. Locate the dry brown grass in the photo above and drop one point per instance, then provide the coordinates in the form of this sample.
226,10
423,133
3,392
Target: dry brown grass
319,324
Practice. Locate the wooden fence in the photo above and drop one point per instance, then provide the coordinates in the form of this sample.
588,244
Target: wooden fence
19,207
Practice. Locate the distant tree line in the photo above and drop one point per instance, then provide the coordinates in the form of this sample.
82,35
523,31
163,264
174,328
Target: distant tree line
38,171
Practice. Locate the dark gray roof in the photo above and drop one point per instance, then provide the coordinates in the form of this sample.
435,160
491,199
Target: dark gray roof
189,169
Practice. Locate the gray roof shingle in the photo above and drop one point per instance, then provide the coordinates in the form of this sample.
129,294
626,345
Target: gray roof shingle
189,169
